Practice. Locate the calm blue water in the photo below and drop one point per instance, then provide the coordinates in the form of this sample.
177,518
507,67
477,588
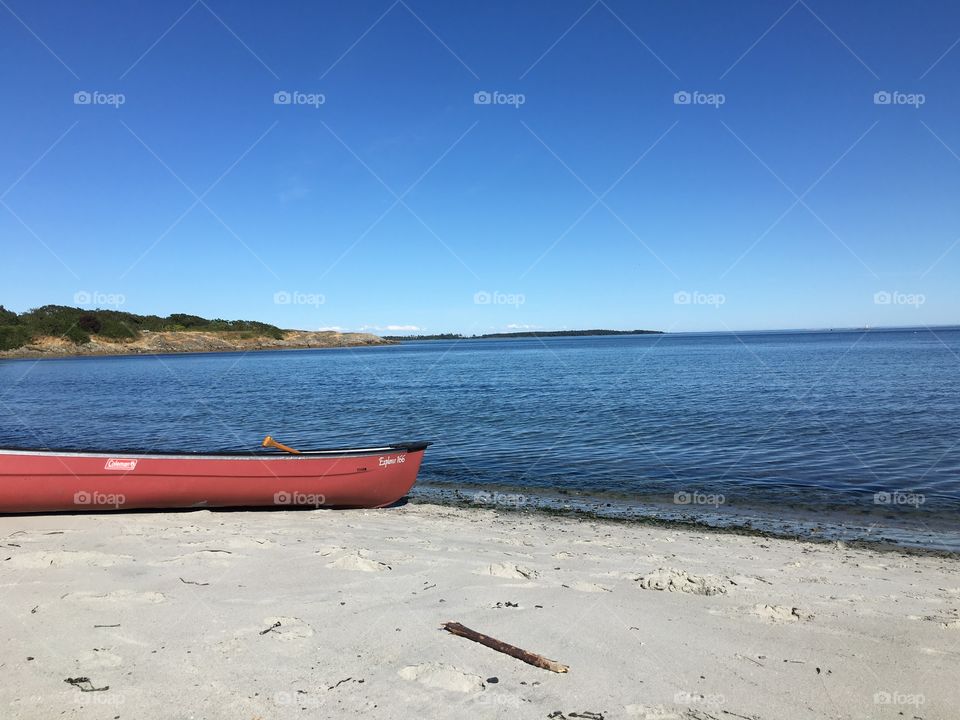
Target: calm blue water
818,420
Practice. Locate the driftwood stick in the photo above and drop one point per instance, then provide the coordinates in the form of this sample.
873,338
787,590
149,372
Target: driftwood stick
528,657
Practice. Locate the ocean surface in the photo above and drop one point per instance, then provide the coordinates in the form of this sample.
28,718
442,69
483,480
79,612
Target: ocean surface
847,434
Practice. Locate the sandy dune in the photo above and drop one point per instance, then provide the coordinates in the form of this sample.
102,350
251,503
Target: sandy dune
336,614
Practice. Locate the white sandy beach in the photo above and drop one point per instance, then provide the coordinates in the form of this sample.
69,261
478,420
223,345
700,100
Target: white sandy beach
169,610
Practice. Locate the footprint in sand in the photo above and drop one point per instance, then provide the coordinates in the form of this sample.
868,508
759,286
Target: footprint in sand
515,542
99,658
208,557
949,621
117,596
444,677
67,558
359,563
673,580
289,629
588,587
780,613
232,543
327,550
749,581
510,570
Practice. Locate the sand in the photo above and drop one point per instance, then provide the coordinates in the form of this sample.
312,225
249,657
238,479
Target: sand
337,613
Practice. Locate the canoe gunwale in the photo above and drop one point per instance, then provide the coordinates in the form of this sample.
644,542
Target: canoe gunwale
325,453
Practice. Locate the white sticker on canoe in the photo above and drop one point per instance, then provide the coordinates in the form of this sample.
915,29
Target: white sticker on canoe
392,460
117,464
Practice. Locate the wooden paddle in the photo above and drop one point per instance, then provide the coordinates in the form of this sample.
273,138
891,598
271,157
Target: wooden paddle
270,442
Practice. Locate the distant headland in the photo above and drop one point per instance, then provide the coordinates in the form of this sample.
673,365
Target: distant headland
61,331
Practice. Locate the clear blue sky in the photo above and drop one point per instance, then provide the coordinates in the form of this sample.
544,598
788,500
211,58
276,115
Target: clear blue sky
399,199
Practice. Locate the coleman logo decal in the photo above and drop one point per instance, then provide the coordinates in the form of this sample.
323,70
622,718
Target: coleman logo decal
117,464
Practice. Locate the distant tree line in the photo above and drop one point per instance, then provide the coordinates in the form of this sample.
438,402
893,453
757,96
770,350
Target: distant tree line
79,325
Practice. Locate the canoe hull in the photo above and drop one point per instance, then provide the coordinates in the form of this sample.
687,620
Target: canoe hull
51,481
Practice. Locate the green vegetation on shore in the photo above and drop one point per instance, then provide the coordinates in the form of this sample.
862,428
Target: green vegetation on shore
79,325
523,334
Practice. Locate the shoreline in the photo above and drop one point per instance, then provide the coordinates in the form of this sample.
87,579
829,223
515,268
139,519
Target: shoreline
690,524
849,525
345,608
170,353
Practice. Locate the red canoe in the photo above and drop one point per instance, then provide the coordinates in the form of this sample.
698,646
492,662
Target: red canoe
71,480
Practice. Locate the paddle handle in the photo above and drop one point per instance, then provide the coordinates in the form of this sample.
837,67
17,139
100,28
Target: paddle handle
270,442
